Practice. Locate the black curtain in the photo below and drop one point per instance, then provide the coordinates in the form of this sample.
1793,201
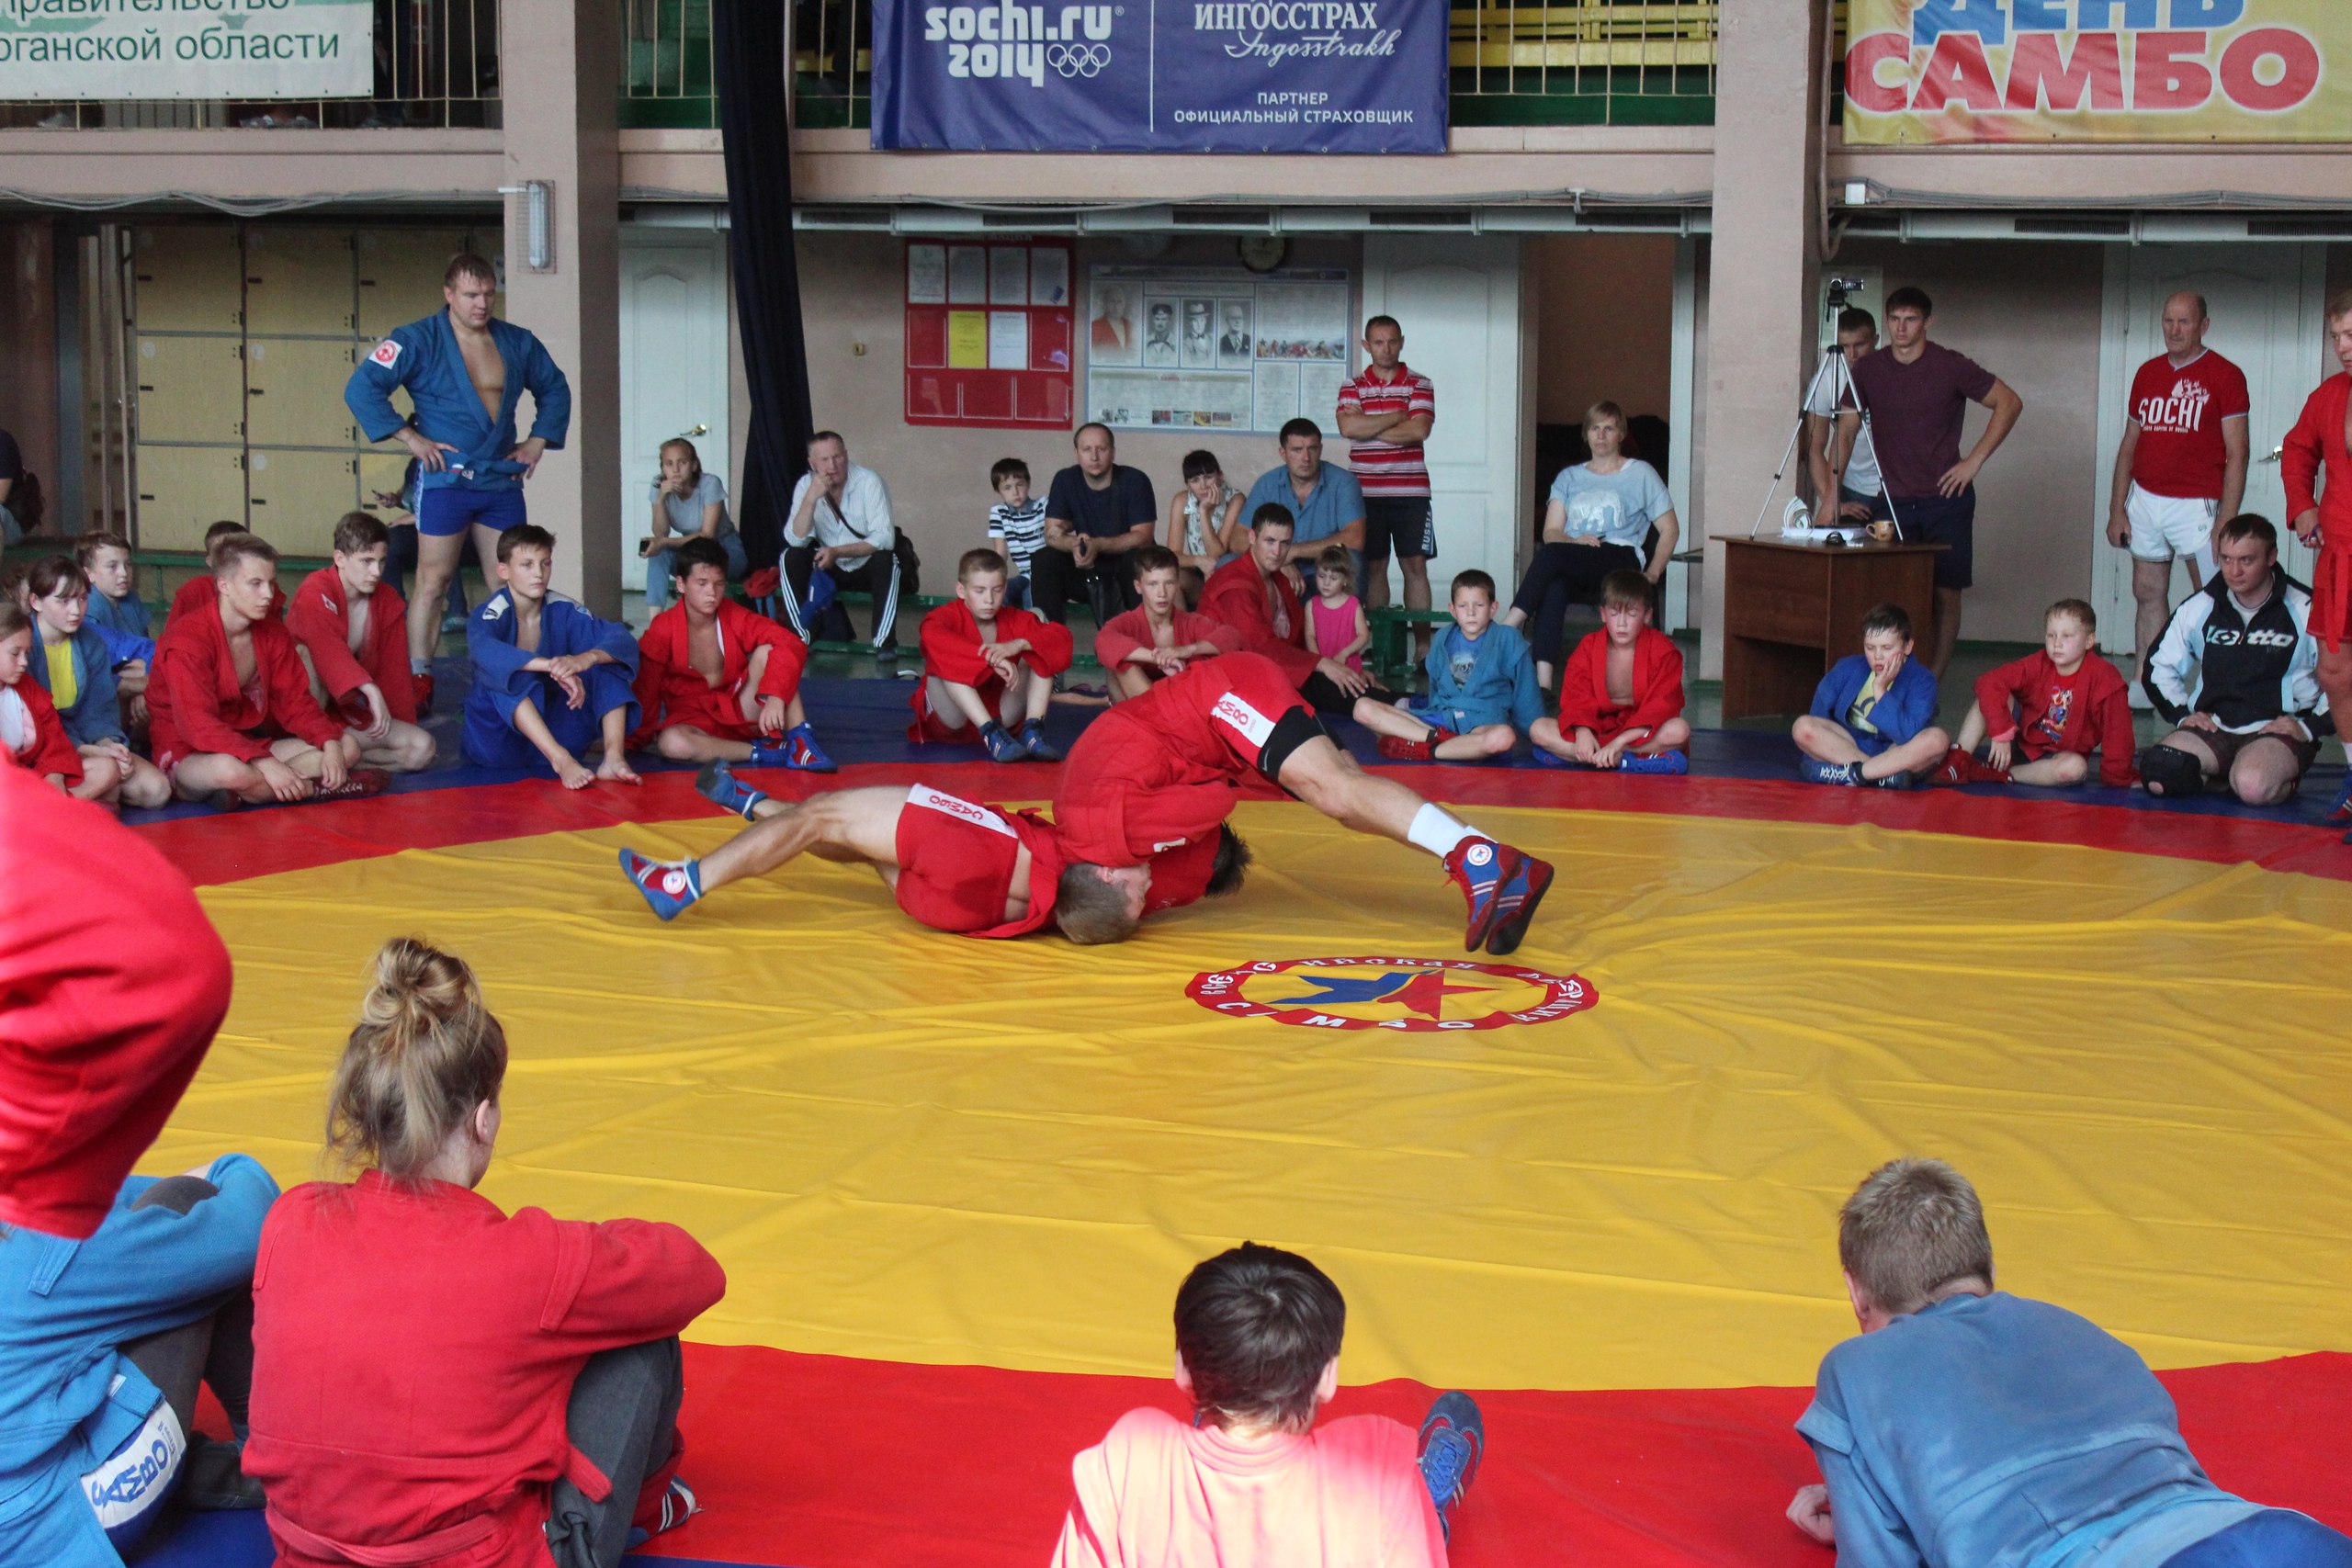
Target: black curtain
747,41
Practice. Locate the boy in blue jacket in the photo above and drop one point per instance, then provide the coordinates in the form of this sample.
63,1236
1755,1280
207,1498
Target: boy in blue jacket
551,680
1482,691
1872,719
103,1344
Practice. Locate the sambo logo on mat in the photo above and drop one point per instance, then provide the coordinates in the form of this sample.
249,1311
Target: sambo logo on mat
1414,995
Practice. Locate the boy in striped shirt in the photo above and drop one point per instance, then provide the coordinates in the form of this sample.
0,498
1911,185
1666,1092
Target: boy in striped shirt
1016,525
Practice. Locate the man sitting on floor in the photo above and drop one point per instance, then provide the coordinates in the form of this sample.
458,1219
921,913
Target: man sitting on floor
1253,595
1966,1425
988,670
1159,637
717,681
2238,671
549,678
352,628
232,715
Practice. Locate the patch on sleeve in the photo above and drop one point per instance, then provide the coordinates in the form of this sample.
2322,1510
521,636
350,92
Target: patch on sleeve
387,354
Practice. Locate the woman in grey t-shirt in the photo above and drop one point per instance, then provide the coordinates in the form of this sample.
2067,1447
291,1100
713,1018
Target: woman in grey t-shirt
687,503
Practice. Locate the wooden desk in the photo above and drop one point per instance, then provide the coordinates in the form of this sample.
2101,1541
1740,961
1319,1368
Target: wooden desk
1792,610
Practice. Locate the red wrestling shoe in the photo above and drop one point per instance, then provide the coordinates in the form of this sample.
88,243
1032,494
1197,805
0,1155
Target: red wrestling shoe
1479,867
1953,769
359,784
424,688
1414,750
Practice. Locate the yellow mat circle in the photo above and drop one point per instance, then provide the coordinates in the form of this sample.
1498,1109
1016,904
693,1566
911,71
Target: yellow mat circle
918,1147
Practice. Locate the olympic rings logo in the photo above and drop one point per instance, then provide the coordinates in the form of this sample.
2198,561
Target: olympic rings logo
1079,60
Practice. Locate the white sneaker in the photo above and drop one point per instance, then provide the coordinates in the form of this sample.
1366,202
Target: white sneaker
2136,693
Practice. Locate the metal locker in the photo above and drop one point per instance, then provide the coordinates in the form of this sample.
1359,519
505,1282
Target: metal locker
183,491
400,275
190,277
190,389
298,497
298,283
294,392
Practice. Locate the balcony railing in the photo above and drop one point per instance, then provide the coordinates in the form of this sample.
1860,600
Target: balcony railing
1566,63
436,65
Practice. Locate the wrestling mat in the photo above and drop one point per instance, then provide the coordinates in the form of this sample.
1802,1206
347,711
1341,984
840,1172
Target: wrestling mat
954,1184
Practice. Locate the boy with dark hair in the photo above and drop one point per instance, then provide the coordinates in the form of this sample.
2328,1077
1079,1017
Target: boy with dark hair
1016,525
549,678
233,718
352,628
1159,637
116,609
1967,1426
989,670
1870,723
197,592
1621,692
1251,1481
2040,716
717,681
2237,672
1482,688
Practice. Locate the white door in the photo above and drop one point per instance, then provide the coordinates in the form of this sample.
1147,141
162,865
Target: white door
2266,302
1457,297
674,367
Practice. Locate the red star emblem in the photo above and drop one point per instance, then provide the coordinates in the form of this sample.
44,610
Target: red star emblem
1425,993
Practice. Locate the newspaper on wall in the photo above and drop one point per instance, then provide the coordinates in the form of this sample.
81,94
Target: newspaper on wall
1215,348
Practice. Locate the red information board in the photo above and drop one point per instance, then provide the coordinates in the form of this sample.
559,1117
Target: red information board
988,334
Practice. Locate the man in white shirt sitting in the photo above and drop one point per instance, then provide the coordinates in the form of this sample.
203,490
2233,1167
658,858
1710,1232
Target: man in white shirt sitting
841,525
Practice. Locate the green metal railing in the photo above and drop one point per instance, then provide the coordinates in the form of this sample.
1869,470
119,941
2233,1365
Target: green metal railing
1566,63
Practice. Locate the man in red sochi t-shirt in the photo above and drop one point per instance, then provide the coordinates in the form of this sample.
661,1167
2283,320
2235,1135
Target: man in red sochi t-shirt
2180,471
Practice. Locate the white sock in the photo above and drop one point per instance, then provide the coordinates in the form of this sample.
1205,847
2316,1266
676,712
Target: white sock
418,666
1436,831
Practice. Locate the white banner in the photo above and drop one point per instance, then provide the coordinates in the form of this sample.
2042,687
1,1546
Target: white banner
187,49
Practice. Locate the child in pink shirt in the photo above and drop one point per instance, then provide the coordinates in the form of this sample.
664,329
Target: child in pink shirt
1253,1483
1336,626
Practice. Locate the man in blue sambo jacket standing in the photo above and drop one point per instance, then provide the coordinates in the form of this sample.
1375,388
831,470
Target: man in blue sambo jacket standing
466,373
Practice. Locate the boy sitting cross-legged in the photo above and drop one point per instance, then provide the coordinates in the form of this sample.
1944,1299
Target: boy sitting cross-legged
549,678
1870,718
1251,1481
988,670
1621,692
352,629
1482,688
717,681
1159,637
2040,718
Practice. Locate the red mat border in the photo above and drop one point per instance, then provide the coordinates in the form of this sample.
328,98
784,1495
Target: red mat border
260,842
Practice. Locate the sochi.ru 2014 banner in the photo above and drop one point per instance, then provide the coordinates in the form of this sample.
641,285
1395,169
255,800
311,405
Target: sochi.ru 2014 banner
1946,71
1162,76
187,49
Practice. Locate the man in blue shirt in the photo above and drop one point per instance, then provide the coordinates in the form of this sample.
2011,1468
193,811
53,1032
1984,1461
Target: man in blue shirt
1326,501
465,372
1968,1427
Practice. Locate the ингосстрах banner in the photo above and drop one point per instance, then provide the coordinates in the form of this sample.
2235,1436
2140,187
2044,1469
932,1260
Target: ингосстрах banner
1162,76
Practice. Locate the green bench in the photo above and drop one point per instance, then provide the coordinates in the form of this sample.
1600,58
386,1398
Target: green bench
1391,652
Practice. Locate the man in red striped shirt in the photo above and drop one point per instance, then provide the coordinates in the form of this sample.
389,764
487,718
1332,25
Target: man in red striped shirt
1387,413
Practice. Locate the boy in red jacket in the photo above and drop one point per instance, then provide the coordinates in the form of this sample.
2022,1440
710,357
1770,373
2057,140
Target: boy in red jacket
196,592
1159,637
233,716
2041,718
1621,692
352,628
987,670
717,682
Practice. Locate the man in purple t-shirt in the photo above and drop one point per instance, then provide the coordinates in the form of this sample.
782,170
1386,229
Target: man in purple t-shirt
1917,393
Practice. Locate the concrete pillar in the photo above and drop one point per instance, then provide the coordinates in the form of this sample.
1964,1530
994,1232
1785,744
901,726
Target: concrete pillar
1764,261
559,66
28,403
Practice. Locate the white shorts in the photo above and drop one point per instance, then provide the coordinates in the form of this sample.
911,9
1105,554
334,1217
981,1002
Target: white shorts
2168,527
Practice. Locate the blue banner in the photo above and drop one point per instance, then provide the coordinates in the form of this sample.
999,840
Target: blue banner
1162,76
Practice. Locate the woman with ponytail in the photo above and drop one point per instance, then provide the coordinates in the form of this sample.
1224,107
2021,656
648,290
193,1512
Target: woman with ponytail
437,1383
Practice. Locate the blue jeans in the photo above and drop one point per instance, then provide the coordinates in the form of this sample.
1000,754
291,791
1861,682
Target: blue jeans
2276,1537
660,585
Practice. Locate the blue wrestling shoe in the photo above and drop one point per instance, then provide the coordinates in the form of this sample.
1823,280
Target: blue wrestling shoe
1664,762
716,784
1524,886
1544,758
797,751
1033,741
668,886
1453,1440
2342,810
1002,746
1821,773
1892,780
